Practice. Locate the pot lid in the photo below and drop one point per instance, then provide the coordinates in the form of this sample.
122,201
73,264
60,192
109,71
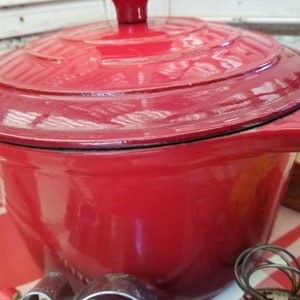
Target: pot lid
135,83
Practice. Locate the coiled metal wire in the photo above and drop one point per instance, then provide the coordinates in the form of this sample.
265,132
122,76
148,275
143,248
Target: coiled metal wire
270,258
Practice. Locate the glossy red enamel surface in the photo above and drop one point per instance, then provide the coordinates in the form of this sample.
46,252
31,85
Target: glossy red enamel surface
175,216
144,171
130,12
105,85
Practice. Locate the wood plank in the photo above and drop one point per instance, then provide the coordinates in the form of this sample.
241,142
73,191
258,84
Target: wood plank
268,11
9,3
45,15
38,18
257,11
21,23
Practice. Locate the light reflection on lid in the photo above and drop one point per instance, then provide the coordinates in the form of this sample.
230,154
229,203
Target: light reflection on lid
168,80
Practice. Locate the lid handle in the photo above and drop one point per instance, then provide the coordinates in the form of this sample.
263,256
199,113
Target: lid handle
131,11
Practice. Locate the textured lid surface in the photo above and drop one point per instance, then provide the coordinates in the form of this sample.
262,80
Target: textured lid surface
167,80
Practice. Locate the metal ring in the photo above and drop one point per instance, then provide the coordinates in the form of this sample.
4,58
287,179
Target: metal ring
54,286
116,284
106,295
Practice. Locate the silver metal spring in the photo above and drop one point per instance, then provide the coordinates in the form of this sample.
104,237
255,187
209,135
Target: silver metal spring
270,258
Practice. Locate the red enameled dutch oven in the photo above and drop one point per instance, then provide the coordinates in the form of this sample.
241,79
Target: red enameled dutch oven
158,148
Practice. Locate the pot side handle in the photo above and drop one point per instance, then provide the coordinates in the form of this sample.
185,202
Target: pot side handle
281,135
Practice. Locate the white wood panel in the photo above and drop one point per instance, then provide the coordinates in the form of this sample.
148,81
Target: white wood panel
8,3
262,11
37,18
20,20
278,11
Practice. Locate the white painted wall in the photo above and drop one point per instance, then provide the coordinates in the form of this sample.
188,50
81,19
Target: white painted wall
20,20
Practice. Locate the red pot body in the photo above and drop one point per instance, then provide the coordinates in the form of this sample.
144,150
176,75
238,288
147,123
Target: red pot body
175,216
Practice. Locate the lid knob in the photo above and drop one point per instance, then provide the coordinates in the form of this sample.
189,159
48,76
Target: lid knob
131,11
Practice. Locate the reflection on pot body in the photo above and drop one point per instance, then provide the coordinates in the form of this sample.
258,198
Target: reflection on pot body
173,216
248,185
